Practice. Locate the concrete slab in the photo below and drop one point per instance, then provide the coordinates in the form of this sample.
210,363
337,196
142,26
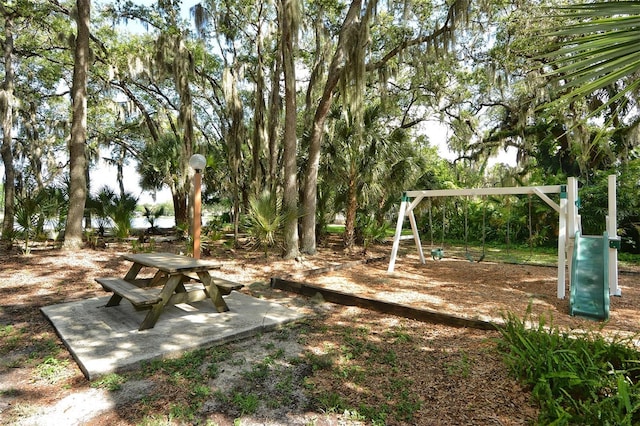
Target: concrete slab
105,340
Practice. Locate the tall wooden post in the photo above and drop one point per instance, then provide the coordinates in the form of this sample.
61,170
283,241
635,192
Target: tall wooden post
197,204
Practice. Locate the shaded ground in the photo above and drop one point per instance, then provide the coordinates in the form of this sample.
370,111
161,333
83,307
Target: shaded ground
484,291
342,366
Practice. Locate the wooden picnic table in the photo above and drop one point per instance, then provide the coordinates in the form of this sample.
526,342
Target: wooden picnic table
167,286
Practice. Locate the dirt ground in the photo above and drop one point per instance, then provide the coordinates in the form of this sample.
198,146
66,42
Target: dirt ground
439,375
484,291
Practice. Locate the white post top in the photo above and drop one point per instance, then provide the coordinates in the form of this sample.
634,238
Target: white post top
613,208
573,220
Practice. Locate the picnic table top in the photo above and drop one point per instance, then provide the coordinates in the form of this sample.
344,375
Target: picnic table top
172,263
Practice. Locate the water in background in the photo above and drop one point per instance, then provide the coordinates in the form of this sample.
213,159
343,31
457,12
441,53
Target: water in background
141,222
137,223
161,222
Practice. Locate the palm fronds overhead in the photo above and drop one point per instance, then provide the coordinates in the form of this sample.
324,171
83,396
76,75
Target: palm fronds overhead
600,48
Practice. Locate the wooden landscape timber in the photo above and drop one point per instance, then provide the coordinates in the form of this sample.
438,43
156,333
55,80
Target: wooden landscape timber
341,298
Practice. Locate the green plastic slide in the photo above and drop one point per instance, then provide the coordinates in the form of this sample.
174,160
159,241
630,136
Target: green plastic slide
590,277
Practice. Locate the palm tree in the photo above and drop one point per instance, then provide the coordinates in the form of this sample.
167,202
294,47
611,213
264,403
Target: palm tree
266,219
598,51
161,167
117,209
152,214
359,163
29,209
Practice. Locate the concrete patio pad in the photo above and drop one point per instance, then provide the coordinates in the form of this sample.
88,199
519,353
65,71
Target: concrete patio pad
105,340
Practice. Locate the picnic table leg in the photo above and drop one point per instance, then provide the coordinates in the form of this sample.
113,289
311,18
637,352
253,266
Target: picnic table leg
133,272
169,287
213,292
114,300
157,279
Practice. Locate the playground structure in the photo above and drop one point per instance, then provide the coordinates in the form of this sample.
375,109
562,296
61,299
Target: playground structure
590,261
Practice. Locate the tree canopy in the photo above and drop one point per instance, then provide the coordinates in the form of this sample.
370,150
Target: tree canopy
322,107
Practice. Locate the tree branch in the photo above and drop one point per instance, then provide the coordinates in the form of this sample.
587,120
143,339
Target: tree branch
447,27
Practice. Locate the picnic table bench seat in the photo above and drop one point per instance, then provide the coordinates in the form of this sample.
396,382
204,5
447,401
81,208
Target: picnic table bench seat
141,297
225,286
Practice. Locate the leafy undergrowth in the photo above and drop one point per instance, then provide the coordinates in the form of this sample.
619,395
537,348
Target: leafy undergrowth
576,380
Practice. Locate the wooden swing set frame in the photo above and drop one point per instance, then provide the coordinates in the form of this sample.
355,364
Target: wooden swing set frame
568,222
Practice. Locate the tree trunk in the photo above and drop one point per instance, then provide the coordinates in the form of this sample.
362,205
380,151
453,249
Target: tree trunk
259,129
274,121
310,191
234,142
122,156
290,198
77,144
350,216
181,212
6,104
182,70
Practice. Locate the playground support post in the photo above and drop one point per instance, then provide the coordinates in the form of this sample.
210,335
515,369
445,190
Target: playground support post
562,243
396,240
565,256
614,240
406,209
416,236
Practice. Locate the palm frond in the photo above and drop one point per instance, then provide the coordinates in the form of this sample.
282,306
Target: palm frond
601,48
266,217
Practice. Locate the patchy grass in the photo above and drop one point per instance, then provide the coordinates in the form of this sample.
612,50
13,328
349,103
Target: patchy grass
52,369
111,382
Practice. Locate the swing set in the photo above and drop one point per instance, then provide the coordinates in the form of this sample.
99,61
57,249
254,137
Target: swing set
569,226
437,253
467,254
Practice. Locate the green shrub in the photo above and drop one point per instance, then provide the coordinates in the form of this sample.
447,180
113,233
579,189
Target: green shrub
583,379
107,205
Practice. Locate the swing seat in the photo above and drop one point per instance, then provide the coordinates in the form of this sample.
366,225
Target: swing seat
469,257
437,253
